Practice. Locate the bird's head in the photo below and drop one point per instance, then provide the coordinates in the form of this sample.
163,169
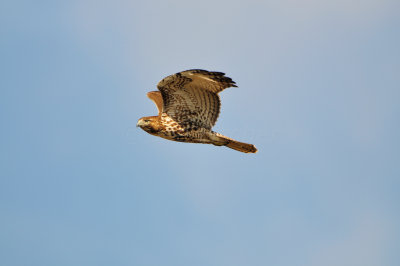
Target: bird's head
148,124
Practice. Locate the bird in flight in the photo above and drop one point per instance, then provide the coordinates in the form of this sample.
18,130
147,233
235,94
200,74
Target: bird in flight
188,106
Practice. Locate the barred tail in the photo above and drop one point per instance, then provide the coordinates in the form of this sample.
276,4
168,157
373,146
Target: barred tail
221,140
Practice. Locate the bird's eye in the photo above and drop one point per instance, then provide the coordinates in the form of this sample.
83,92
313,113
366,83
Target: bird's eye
146,120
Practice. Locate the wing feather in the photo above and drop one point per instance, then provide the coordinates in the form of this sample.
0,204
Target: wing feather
156,97
191,97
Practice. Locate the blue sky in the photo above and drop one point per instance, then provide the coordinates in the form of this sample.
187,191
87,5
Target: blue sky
318,95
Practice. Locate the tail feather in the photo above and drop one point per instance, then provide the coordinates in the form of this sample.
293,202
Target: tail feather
241,146
234,144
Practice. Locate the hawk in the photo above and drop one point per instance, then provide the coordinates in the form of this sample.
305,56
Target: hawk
188,106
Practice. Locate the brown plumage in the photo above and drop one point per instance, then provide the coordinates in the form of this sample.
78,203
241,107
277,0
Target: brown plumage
188,106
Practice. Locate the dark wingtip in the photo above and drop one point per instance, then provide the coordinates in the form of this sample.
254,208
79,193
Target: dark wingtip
215,75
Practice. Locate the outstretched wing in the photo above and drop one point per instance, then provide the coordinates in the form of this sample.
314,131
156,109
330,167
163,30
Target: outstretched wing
191,97
156,97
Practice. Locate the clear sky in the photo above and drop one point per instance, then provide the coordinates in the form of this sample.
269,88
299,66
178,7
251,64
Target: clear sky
319,95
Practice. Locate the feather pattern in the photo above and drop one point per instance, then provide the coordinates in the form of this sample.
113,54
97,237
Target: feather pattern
188,107
191,97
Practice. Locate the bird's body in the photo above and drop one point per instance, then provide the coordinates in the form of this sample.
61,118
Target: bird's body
188,106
